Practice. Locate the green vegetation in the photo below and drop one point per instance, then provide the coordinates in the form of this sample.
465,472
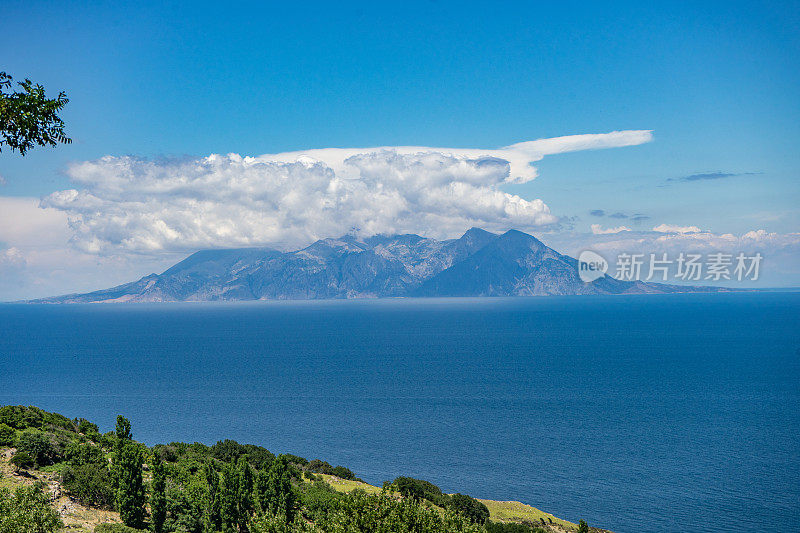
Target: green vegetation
115,528
128,459
227,487
28,118
158,496
27,510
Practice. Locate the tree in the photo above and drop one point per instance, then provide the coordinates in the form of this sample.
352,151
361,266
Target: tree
211,510
39,445
6,435
229,498
28,118
123,429
158,496
468,506
128,473
90,484
27,510
273,490
22,460
583,527
244,499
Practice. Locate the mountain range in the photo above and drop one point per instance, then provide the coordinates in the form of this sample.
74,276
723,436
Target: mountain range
479,263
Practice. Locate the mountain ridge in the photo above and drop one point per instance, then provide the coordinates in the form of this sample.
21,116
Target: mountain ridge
479,263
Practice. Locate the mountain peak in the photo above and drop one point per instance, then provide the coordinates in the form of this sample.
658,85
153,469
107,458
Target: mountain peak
520,238
477,232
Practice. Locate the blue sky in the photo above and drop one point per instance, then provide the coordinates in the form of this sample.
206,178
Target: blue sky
716,83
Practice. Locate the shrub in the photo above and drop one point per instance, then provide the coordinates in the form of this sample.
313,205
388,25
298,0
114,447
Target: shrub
359,511
21,417
323,467
90,484
86,427
419,489
342,472
317,497
77,453
116,528
26,510
41,446
166,452
468,506
510,527
583,527
229,451
296,459
6,435
22,460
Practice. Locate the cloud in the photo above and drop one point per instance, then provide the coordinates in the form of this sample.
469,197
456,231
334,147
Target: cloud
636,217
36,260
704,176
598,230
671,228
519,156
780,251
290,199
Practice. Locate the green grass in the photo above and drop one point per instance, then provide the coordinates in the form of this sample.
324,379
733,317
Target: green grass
498,511
519,512
346,485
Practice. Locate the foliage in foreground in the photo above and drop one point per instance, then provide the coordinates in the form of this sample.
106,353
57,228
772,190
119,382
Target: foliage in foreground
228,487
27,510
28,118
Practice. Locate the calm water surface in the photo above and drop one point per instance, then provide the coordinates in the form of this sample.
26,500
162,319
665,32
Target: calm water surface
637,413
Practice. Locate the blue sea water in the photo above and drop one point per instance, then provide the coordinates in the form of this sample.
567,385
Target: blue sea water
638,413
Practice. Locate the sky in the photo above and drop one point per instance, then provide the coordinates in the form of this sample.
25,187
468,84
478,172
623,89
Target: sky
212,126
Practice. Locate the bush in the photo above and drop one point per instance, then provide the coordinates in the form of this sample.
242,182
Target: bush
359,511
468,506
6,435
77,453
342,472
166,452
501,527
21,417
41,446
296,459
229,451
27,509
90,484
419,489
317,497
583,527
116,528
22,460
86,427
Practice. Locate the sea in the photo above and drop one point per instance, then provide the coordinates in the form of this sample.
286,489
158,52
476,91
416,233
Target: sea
639,413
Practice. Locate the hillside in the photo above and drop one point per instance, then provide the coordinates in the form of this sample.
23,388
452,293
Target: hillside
74,467
478,263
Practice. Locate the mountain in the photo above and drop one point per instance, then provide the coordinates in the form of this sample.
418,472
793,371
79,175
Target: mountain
478,263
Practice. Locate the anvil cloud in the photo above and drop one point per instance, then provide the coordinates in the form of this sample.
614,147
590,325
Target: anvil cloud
290,199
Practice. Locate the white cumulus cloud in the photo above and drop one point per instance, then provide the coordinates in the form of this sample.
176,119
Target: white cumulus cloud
597,229
672,228
290,199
